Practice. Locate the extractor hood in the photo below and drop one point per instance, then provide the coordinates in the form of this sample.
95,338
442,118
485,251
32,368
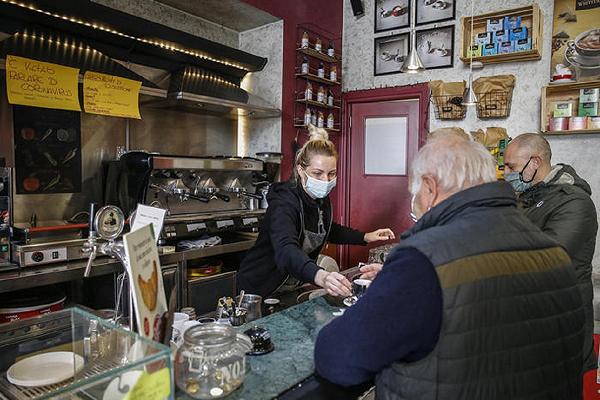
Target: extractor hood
202,76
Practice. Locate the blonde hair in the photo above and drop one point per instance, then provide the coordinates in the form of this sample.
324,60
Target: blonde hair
318,145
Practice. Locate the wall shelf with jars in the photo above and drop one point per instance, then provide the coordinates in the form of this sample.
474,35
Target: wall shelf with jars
318,79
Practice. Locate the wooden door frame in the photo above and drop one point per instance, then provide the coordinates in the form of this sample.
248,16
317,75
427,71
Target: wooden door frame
418,92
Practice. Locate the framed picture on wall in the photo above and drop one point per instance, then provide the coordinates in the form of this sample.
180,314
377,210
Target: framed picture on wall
391,14
390,52
430,11
436,47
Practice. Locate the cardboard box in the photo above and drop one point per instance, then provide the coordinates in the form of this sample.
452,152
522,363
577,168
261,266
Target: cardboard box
474,51
522,44
506,47
588,109
495,24
501,36
484,38
591,95
512,22
518,33
490,49
578,123
594,123
562,110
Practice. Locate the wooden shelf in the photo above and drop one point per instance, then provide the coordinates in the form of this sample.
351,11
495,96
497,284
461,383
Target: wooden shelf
562,92
573,132
316,104
318,54
316,78
531,17
305,127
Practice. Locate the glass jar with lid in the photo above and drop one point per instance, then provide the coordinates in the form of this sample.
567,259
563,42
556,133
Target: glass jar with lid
211,363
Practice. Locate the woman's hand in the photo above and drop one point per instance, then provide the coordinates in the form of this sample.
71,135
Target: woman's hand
379,234
370,271
335,283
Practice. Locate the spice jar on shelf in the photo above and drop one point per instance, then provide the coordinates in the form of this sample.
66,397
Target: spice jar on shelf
304,68
313,117
308,92
330,99
333,73
304,41
320,120
321,71
330,50
307,114
330,121
318,45
321,95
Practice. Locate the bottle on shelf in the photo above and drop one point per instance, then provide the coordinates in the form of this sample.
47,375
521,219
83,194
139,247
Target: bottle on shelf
321,71
304,68
333,73
330,50
321,95
320,120
330,99
330,121
318,45
307,114
313,117
304,41
308,92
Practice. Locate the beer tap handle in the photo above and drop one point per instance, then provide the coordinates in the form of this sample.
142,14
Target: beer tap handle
88,267
93,209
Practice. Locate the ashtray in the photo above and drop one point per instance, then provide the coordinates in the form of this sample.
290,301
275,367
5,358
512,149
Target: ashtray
261,341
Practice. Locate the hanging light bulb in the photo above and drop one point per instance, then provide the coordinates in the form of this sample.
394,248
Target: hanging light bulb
412,64
471,96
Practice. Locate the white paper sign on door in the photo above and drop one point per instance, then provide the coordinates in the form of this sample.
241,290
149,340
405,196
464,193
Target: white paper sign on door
146,281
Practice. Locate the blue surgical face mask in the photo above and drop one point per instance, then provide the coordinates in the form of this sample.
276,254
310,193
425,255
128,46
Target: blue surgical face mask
516,179
317,188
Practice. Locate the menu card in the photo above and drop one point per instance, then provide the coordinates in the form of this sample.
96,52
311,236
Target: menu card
146,281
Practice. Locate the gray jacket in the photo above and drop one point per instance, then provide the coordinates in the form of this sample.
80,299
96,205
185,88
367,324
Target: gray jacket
562,208
512,322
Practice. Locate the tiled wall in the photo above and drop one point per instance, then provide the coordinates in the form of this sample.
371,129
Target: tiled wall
579,151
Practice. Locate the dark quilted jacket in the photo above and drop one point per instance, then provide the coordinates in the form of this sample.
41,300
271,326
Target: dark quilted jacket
513,320
563,209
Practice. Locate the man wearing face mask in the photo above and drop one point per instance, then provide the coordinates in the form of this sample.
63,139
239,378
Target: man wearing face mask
298,223
475,302
557,200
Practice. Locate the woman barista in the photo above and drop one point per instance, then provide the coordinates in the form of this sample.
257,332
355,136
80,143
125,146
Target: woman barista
297,224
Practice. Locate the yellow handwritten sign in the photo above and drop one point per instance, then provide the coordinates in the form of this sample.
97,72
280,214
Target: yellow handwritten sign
154,386
41,84
111,95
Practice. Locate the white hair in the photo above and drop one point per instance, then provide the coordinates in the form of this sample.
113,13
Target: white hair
455,163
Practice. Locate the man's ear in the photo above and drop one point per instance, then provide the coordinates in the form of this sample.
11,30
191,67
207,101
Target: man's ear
430,189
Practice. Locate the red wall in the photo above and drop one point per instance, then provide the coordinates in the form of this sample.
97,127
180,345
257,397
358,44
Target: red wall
325,14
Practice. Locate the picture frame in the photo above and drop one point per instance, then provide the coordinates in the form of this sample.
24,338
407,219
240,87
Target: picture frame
389,53
434,11
391,15
435,47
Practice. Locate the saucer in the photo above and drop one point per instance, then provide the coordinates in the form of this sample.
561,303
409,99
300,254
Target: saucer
583,62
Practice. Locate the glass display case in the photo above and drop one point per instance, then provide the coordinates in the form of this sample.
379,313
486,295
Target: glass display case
77,355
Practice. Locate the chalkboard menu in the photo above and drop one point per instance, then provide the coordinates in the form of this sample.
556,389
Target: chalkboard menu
47,150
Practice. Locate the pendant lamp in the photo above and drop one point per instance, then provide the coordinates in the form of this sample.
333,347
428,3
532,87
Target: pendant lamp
470,98
412,64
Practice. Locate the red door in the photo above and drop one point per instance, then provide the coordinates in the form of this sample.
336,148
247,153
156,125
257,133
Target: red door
383,139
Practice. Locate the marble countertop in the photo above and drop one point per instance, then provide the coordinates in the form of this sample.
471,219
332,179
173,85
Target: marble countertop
293,332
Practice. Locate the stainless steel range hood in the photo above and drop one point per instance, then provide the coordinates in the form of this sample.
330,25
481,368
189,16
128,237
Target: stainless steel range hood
195,90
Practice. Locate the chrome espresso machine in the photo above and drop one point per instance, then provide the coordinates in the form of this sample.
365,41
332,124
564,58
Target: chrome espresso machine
202,195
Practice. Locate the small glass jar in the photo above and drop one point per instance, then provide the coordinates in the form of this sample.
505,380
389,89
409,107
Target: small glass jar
211,363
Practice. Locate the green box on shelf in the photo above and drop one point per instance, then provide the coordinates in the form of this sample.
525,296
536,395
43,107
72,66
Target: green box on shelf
588,109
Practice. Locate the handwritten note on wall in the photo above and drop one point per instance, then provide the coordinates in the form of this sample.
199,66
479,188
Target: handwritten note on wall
41,84
111,95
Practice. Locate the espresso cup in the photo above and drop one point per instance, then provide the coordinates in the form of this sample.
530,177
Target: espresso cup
359,287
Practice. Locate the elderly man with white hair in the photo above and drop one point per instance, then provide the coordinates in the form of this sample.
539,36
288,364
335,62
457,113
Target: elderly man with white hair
474,303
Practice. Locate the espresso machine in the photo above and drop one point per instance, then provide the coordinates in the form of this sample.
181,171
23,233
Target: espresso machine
202,195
